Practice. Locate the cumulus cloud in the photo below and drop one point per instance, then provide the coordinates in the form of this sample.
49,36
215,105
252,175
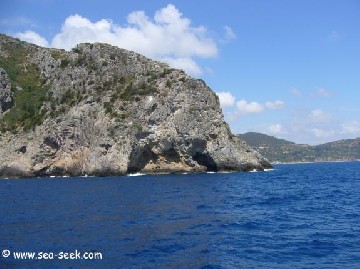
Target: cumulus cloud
226,99
187,64
32,37
235,109
244,106
77,29
274,105
168,36
313,127
249,107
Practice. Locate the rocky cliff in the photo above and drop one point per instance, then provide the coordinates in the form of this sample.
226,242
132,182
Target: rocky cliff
101,110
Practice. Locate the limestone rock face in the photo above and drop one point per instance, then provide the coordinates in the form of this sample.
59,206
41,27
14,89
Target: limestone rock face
101,110
6,94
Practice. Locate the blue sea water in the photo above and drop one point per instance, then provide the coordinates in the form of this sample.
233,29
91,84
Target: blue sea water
295,216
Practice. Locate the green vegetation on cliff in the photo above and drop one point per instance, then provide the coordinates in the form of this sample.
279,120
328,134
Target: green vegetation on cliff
29,90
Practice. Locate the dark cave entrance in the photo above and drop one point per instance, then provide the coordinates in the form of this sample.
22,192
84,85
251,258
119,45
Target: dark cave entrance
139,158
205,160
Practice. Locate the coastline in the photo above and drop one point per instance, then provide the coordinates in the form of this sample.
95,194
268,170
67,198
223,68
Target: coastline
309,162
137,174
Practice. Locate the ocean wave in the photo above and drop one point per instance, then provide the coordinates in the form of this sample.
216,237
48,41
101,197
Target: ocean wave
135,175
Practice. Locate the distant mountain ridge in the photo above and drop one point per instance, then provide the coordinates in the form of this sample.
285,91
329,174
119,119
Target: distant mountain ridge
279,150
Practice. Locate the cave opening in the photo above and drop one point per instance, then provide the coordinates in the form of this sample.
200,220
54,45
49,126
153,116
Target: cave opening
206,160
139,158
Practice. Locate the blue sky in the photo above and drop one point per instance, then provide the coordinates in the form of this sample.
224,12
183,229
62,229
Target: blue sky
286,68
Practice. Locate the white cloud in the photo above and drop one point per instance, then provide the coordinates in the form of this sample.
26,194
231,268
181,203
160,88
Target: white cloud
168,35
323,93
187,64
304,126
77,29
226,99
253,107
314,127
274,105
242,107
276,129
352,127
32,37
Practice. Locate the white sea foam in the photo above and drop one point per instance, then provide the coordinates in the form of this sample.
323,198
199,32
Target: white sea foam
270,169
135,175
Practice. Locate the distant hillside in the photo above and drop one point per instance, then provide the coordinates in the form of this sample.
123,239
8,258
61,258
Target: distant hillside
280,150
257,139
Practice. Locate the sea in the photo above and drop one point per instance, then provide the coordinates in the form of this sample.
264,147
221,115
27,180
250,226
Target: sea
294,216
